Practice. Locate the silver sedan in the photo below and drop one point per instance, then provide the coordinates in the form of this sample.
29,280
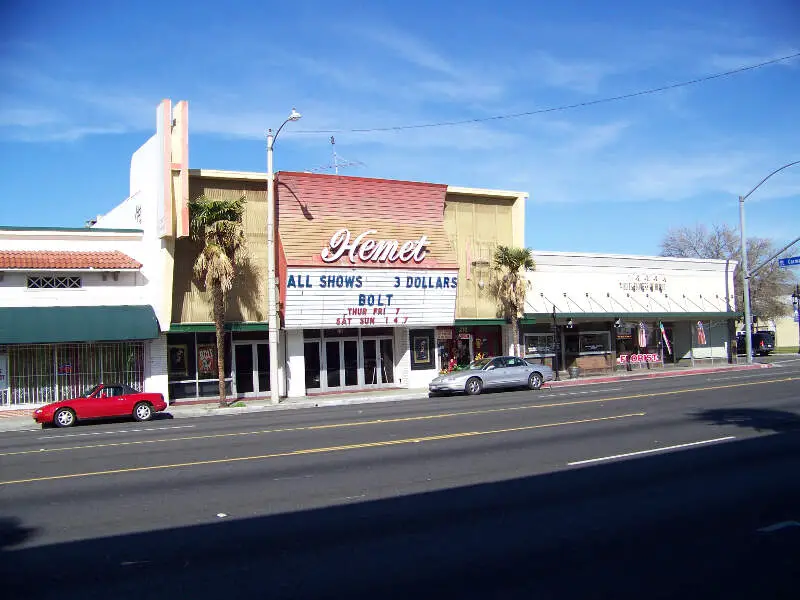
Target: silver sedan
492,373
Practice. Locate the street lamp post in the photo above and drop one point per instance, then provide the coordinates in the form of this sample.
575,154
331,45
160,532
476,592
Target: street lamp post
556,346
272,291
796,304
748,326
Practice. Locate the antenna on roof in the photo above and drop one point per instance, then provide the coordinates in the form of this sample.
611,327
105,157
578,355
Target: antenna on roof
337,161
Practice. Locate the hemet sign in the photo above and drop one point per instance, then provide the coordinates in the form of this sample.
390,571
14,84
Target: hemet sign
362,249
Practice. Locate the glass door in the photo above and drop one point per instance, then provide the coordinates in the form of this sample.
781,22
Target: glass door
243,361
386,360
251,361
378,357
350,362
313,365
262,366
333,370
341,363
370,349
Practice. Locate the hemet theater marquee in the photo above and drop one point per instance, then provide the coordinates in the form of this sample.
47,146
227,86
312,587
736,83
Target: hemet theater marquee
395,269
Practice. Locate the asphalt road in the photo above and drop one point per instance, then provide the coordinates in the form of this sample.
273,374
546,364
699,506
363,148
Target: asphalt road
685,487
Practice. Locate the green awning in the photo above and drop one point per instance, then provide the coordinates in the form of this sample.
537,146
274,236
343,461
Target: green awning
477,322
54,324
209,327
664,316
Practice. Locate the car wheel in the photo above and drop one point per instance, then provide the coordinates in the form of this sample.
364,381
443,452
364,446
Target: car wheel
143,411
64,417
474,386
535,381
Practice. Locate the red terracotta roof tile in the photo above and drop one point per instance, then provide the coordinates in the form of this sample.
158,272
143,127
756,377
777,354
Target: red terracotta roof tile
45,259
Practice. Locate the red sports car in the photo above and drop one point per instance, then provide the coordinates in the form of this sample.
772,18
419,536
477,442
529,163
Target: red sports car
101,401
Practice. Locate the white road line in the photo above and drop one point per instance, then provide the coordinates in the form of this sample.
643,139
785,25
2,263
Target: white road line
640,452
111,432
751,376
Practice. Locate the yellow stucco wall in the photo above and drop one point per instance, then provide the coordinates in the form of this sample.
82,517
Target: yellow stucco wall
247,299
477,221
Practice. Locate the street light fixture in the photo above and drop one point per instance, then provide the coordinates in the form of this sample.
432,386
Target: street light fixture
272,291
748,326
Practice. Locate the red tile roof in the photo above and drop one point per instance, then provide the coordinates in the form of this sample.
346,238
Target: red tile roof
45,259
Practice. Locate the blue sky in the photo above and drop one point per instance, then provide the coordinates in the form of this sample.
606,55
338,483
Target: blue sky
82,81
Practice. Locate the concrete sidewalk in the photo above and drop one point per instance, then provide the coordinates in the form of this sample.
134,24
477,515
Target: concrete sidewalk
20,419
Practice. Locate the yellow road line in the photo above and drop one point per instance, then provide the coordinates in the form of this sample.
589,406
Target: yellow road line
483,411
306,451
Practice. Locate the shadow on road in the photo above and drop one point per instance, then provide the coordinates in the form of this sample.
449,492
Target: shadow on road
159,416
12,533
760,419
680,524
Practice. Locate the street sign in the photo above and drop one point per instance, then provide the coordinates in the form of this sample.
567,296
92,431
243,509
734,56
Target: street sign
789,262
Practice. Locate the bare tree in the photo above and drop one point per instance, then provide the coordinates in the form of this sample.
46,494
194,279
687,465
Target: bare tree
768,288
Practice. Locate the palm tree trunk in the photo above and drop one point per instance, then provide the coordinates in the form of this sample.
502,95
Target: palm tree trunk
219,326
515,335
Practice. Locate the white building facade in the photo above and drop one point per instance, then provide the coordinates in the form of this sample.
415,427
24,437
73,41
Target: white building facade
74,311
599,313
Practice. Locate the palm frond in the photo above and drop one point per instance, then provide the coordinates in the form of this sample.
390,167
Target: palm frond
217,225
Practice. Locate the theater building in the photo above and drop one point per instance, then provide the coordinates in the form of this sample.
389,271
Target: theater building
367,273
380,281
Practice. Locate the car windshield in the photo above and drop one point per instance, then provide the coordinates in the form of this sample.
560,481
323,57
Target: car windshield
477,365
89,391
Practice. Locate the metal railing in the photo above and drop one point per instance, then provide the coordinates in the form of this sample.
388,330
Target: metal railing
41,373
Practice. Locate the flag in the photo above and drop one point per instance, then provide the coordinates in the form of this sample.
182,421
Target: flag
642,335
664,335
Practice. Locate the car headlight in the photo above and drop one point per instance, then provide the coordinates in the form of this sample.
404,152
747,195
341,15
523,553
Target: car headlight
38,411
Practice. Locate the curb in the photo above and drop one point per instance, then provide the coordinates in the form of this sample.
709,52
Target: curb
613,378
206,409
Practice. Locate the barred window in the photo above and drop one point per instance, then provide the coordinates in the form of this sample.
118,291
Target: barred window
47,282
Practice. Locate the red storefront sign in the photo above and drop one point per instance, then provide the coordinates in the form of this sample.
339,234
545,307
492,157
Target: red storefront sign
638,358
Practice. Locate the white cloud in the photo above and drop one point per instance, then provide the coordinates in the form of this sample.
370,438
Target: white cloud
731,61
65,133
28,117
408,48
581,75
591,138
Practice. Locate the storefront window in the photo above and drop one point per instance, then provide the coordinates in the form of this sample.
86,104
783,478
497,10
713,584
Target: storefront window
192,365
589,351
539,344
422,349
459,346
180,356
595,342
639,345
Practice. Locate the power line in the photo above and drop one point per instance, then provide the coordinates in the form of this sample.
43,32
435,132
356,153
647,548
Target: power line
540,111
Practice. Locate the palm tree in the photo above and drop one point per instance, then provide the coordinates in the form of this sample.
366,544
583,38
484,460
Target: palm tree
217,225
510,284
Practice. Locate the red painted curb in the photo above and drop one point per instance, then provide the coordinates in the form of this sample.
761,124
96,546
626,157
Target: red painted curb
612,378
